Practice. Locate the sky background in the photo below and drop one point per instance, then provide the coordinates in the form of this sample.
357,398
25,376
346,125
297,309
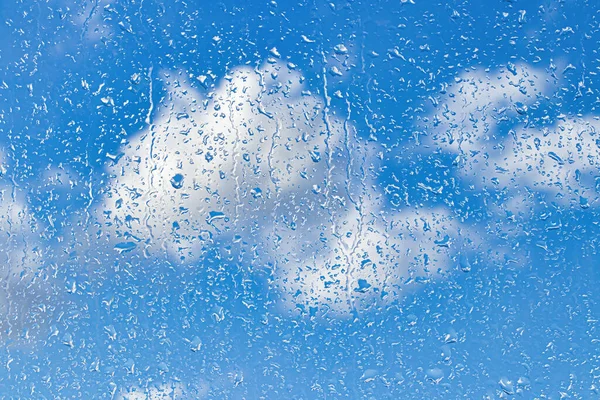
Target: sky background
300,200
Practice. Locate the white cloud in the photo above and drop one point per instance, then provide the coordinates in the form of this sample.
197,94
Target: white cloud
172,391
559,159
262,161
218,165
470,110
369,258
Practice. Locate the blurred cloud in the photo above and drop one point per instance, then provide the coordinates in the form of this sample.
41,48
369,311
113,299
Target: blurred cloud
367,258
470,110
172,391
486,120
561,159
262,162
25,283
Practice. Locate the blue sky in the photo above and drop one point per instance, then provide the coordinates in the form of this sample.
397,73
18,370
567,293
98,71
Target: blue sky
299,199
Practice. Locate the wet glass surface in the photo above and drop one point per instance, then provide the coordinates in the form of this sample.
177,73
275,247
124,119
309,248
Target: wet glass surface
248,200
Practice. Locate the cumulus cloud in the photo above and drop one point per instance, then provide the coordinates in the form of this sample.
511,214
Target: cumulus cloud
561,159
368,258
470,110
485,120
261,161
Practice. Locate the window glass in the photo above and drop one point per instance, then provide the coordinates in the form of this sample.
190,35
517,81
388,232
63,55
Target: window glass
293,199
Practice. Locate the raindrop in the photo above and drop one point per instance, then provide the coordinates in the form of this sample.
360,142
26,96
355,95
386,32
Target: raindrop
125,247
435,375
177,181
340,49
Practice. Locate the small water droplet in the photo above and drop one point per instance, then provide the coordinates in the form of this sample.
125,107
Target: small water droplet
451,336
315,155
521,108
335,71
256,192
107,101
340,49
67,340
445,242
274,52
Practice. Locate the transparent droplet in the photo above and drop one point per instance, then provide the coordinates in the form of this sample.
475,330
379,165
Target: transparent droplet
177,181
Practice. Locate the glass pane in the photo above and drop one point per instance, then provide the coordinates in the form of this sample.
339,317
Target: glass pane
250,200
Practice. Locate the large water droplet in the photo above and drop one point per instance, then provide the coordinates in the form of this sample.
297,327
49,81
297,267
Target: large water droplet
464,263
214,215
507,385
177,181
435,375
124,247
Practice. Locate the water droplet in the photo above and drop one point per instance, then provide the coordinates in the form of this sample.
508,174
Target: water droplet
274,52
256,192
556,158
521,108
214,215
111,332
335,71
107,101
451,336
464,263
507,385
67,340
363,286
205,236
435,375
195,344
445,242
177,181
340,49
315,155
412,319
162,366
124,247
369,375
